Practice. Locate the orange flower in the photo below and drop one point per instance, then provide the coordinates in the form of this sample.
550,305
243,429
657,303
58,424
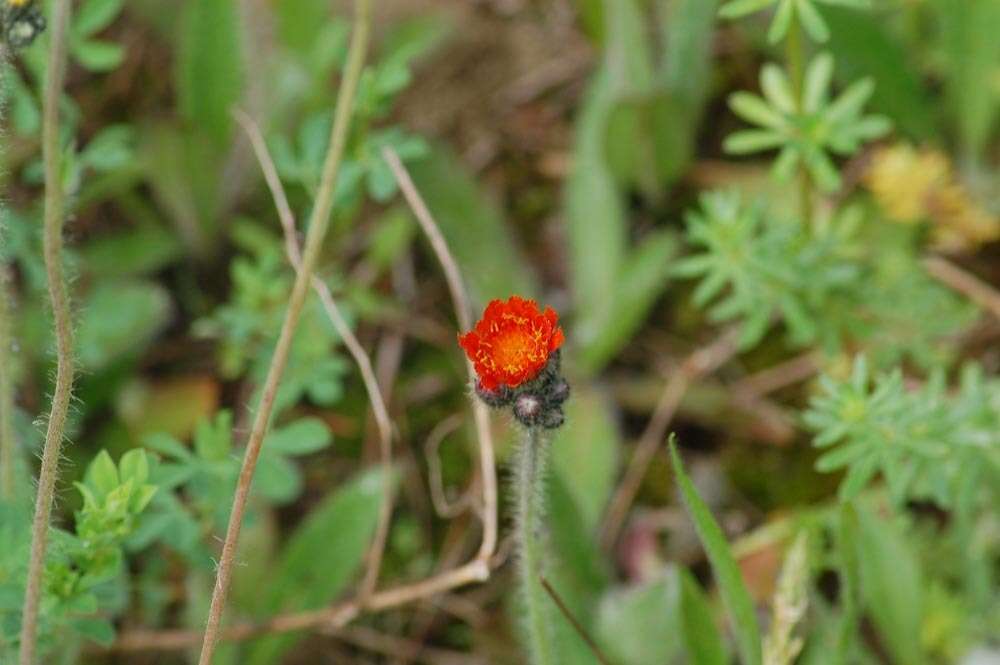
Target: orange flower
512,343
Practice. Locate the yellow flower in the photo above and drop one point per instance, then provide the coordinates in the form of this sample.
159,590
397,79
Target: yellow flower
912,185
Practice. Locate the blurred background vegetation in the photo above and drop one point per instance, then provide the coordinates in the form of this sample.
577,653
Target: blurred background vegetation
567,149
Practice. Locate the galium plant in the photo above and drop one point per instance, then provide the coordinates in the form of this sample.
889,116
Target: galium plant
786,12
806,129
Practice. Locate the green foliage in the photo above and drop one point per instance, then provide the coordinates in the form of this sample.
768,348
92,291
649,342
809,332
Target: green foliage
727,574
473,226
804,12
926,443
854,281
865,47
971,54
210,70
891,586
95,54
629,618
337,533
204,479
805,132
84,570
635,131
247,325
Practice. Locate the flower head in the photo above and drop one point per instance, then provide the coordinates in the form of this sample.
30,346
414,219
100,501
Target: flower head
912,185
512,343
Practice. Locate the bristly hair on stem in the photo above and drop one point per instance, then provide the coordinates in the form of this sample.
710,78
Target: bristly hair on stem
531,463
59,295
318,224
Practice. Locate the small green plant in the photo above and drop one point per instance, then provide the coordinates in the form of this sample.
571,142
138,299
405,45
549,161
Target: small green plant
85,568
804,130
927,444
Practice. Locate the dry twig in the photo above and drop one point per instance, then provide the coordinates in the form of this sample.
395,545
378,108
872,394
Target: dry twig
702,361
319,222
462,313
444,508
379,409
975,289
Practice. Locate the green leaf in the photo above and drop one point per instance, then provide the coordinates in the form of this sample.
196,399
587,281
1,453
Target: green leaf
777,89
213,439
891,586
102,474
585,454
755,110
734,593
864,47
167,445
134,466
687,28
93,16
749,141
210,73
591,15
817,82
576,570
98,55
141,498
850,583
474,228
304,436
811,20
702,641
595,216
972,53
96,629
579,566
641,625
740,8
393,234
644,276
141,250
782,21
112,148
118,319
277,478
321,558
300,23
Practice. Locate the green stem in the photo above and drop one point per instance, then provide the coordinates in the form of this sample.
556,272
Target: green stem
55,72
319,221
795,55
530,492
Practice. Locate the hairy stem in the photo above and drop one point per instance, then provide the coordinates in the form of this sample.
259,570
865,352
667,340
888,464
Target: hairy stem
318,224
58,292
529,488
795,55
8,446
